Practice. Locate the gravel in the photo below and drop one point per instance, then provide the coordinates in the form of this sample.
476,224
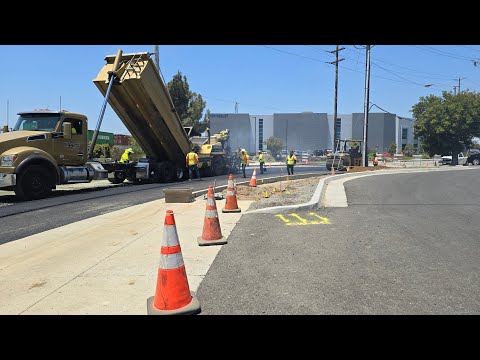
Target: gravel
279,193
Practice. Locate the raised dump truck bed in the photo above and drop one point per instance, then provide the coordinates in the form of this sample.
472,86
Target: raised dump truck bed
141,100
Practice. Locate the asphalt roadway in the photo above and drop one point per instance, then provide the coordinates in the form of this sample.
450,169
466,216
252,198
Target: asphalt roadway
406,244
21,219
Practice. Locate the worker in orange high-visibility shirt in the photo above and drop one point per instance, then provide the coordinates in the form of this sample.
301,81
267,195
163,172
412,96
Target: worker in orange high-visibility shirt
192,164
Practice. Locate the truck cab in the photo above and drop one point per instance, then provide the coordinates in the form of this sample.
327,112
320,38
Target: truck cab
44,149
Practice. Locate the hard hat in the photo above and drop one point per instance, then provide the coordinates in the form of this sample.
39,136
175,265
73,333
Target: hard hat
130,150
259,151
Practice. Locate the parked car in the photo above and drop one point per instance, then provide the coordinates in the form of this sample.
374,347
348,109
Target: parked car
473,157
447,159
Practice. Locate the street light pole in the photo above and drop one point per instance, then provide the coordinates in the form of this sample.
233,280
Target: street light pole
286,137
255,150
337,60
255,136
365,120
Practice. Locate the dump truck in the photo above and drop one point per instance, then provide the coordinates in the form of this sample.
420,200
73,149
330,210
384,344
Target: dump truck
48,148
141,99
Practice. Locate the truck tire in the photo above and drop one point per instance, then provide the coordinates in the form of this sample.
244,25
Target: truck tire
34,183
219,167
119,178
476,162
168,172
180,174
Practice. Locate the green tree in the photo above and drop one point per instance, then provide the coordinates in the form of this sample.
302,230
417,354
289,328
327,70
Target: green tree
408,150
275,145
188,104
137,150
101,151
447,123
206,121
392,149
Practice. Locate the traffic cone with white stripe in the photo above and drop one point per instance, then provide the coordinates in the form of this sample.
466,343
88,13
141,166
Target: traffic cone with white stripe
231,198
253,180
172,295
212,233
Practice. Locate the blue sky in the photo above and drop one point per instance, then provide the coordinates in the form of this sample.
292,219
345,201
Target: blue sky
262,79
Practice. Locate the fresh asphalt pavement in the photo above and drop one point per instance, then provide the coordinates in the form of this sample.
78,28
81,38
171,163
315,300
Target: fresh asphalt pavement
21,219
406,244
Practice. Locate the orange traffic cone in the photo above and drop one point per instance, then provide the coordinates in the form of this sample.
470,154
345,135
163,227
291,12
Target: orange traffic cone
231,199
172,295
253,180
212,233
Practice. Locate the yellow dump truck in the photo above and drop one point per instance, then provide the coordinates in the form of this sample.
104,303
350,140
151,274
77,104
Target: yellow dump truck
49,148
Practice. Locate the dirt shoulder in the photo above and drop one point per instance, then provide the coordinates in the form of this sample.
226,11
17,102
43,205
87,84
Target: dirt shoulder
285,192
288,192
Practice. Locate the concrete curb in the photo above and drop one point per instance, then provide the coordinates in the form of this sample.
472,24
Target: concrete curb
319,195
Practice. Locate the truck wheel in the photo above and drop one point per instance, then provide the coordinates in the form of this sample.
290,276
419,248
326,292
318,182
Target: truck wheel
476,162
168,172
218,166
119,178
180,174
329,167
34,183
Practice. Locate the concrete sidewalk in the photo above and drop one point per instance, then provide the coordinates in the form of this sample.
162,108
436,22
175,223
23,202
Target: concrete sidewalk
104,265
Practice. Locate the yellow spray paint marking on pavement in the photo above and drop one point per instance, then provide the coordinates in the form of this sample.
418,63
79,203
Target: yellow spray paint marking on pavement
302,221
283,218
325,221
299,218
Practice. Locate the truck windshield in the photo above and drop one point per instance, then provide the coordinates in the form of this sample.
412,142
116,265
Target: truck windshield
37,122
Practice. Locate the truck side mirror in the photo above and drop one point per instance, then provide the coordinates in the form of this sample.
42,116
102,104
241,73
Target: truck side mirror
67,130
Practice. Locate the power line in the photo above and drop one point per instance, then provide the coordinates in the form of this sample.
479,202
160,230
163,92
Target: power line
406,68
294,54
442,53
469,47
252,105
344,67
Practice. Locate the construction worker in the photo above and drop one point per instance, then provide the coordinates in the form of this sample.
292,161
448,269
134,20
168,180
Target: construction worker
244,161
126,156
291,161
375,160
261,160
192,164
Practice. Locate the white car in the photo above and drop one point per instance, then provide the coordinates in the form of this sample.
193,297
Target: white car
447,159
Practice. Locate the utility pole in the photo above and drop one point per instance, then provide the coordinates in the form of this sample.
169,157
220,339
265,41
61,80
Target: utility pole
365,120
454,90
337,60
157,57
459,91
7,113
60,102
236,107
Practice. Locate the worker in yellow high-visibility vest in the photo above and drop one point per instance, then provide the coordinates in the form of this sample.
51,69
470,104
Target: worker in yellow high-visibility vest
261,160
126,156
192,164
244,161
291,160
